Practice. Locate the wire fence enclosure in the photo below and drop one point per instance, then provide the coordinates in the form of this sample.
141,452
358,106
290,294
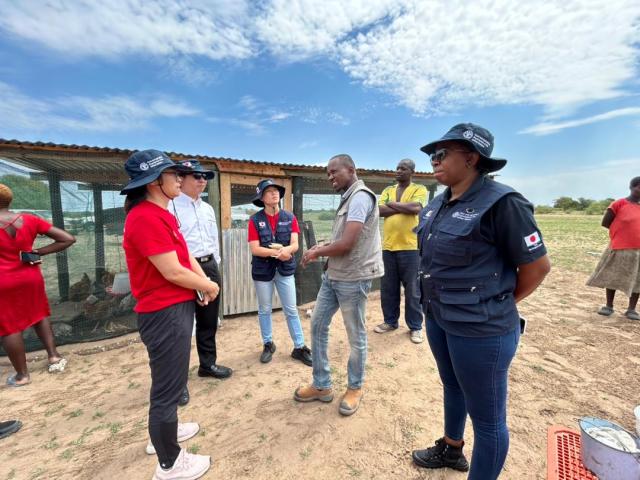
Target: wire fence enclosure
77,188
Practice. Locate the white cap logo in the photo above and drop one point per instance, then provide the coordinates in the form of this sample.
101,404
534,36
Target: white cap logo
187,164
144,166
468,134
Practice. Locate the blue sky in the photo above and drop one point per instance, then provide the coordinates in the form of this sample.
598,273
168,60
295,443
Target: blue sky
298,81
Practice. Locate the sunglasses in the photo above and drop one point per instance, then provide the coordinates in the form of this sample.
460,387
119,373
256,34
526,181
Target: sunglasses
199,176
439,155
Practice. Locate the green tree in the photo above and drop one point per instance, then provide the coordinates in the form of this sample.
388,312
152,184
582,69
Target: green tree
599,207
583,203
27,194
566,203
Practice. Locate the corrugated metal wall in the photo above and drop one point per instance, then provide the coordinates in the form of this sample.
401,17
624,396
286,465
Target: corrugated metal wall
239,295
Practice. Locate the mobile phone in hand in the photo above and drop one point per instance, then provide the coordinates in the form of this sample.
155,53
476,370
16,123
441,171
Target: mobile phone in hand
523,325
30,258
200,293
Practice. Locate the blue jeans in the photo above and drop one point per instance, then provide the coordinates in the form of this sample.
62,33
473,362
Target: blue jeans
401,267
351,298
474,373
286,287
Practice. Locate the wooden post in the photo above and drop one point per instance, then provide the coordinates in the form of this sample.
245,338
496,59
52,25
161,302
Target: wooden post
58,221
432,191
225,201
213,188
298,210
98,216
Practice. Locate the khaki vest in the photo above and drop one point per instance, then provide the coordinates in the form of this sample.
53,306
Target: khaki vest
364,261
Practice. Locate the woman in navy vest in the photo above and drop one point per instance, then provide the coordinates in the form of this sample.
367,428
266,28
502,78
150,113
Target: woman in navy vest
481,253
273,238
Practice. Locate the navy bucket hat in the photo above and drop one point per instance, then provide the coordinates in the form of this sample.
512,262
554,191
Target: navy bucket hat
144,167
262,186
193,166
479,139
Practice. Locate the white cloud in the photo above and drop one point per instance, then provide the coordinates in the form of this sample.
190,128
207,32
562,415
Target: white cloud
315,115
435,56
297,29
279,116
253,127
309,144
547,128
430,56
584,182
185,69
211,28
249,102
255,115
20,113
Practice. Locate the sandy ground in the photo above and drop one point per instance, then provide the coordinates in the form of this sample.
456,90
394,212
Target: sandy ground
90,421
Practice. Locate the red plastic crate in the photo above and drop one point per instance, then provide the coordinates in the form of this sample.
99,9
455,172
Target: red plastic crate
563,455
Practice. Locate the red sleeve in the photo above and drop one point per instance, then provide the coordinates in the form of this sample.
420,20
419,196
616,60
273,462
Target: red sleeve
295,228
42,226
253,233
152,236
617,205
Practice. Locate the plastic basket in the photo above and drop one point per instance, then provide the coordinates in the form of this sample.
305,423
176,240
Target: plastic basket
563,455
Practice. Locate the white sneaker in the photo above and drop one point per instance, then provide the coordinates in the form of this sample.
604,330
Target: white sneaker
416,336
185,432
186,467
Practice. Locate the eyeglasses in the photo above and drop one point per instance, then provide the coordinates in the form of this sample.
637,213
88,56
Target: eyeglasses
178,175
199,176
439,155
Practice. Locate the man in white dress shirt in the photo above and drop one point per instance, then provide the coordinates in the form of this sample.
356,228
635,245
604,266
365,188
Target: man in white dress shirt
197,222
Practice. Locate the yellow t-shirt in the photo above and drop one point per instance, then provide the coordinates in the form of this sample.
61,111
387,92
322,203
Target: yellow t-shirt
398,229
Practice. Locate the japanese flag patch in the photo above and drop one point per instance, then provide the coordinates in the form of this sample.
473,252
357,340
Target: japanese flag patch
533,240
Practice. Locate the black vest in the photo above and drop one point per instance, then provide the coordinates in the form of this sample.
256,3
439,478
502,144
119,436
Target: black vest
264,268
463,277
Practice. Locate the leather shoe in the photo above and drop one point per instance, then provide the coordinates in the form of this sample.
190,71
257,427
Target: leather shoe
9,427
303,354
215,371
184,397
267,352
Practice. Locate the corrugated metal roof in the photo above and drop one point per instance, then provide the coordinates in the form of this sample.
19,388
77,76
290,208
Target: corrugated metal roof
64,148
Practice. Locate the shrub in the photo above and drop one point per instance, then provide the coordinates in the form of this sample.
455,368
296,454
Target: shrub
544,209
326,216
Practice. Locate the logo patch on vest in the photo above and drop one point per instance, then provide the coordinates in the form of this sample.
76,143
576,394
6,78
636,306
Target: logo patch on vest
533,241
262,224
284,223
468,215
428,214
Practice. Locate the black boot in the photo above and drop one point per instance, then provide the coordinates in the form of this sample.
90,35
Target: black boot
267,352
440,456
184,397
303,354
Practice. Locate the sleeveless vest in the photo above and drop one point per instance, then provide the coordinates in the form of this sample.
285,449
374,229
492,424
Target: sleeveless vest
463,277
264,268
364,261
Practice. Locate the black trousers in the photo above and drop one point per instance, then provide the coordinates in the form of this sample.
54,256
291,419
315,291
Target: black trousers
207,319
167,336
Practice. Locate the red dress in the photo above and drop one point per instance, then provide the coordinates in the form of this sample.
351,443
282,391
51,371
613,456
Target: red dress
23,301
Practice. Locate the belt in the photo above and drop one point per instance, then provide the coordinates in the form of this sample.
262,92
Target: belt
205,259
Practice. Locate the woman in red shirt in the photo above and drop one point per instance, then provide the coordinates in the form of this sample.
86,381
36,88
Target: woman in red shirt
619,266
163,278
23,301
273,239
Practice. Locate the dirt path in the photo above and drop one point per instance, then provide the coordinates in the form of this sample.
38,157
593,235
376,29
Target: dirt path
90,421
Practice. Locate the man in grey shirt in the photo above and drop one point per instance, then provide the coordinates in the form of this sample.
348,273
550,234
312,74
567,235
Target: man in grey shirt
354,260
